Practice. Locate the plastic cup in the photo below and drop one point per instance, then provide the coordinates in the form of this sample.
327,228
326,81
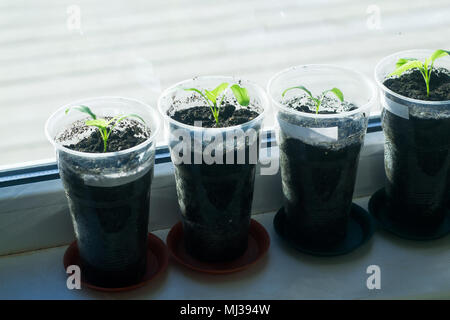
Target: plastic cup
215,195
417,149
319,152
108,194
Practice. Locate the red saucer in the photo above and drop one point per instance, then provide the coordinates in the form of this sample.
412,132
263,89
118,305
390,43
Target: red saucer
157,262
258,244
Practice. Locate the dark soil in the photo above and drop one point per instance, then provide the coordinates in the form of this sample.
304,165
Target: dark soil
229,116
216,206
329,105
215,202
318,185
127,134
112,226
412,85
417,164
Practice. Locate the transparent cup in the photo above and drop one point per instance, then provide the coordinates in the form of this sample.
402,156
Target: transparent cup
417,149
108,194
214,193
319,152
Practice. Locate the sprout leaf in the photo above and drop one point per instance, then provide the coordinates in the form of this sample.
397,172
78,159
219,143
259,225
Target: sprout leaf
241,95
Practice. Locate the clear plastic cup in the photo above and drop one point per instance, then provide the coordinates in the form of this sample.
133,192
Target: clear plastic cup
215,195
108,194
319,152
417,148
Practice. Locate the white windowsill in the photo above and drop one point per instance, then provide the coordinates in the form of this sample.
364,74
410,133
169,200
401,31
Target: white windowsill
408,270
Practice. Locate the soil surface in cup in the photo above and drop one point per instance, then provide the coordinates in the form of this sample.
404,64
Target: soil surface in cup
329,105
318,181
417,156
216,199
111,222
126,134
412,85
229,115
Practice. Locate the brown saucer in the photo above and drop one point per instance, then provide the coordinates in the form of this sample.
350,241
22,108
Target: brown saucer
157,262
258,244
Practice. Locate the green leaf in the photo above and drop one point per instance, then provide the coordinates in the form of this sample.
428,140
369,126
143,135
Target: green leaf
402,61
99,123
114,119
211,96
241,95
409,65
219,89
427,62
193,89
298,87
338,93
439,54
84,109
201,93
317,101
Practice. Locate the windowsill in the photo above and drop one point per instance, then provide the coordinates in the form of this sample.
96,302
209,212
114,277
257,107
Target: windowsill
408,270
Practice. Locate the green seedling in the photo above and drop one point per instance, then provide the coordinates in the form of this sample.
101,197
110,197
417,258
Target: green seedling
104,126
211,97
318,100
425,67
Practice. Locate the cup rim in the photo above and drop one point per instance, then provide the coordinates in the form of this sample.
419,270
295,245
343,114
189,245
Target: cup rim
360,109
233,79
380,84
142,145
